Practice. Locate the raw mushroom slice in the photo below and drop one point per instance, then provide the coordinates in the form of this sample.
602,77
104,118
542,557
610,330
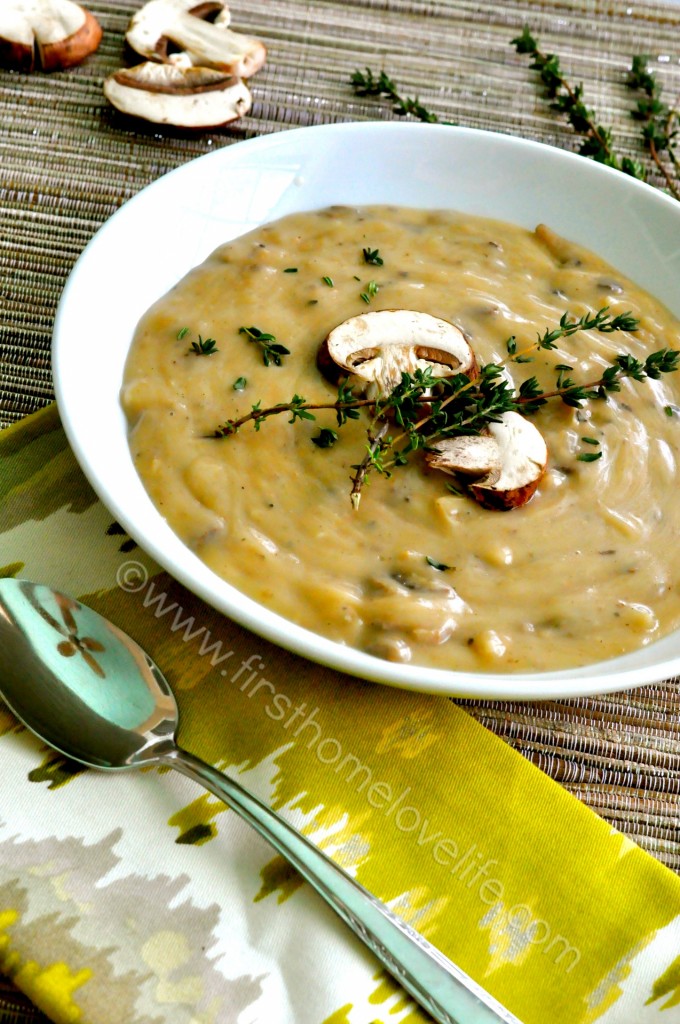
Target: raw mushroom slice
49,34
184,97
506,463
197,33
378,347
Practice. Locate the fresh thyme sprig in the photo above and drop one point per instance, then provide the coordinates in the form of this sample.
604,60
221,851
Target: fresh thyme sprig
346,407
272,351
428,409
659,123
568,99
660,128
365,83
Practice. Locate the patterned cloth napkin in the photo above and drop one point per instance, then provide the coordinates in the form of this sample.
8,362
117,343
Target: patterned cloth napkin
138,898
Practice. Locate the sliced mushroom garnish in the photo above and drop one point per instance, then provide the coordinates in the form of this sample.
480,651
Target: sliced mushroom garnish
185,97
49,34
378,347
504,465
164,30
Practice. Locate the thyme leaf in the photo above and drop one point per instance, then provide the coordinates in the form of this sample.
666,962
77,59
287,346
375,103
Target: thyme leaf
203,347
298,410
372,289
437,565
326,438
372,256
272,351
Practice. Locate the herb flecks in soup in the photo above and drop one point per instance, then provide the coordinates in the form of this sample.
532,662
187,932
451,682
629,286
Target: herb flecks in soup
584,571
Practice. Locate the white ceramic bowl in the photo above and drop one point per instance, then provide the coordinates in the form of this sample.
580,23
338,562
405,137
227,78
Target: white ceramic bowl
175,223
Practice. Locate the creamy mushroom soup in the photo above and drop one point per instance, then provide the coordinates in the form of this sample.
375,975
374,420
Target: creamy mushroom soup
589,568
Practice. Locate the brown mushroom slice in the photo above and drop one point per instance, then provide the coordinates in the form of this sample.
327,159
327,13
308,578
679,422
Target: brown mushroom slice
379,346
506,463
50,34
184,97
197,31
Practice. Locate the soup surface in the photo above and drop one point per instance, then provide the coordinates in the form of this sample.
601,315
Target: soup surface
588,569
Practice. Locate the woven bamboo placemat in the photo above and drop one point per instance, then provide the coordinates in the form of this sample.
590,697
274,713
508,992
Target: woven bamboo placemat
68,161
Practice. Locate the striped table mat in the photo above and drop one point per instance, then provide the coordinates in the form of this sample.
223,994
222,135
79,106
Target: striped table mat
68,161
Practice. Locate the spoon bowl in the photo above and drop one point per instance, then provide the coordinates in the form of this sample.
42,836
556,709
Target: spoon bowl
77,681
88,690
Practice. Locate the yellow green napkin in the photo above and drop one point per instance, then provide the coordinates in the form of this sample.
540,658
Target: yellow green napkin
138,898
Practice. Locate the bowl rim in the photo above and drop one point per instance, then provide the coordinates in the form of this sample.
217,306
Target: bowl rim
600,677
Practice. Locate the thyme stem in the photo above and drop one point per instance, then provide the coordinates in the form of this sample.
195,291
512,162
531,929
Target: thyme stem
375,444
671,185
256,414
365,83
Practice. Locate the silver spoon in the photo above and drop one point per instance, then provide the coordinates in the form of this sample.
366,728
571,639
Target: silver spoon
93,694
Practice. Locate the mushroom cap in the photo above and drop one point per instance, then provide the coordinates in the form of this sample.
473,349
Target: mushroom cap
183,26
506,463
379,346
185,97
55,34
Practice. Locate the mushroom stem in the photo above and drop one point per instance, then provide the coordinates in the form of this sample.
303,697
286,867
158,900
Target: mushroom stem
192,30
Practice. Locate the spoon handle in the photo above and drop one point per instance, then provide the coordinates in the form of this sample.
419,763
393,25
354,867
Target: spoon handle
442,988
